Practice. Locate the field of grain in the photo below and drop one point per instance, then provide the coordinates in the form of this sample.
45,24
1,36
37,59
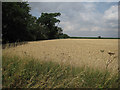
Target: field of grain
94,53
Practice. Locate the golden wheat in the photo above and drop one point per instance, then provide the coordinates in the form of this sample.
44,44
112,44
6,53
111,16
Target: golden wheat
76,52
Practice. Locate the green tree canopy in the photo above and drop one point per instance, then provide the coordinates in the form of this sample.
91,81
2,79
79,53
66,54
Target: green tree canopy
48,21
15,17
19,25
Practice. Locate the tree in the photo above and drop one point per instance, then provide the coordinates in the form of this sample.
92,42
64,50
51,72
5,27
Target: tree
64,36
19,25
32,28
48,21
99,37
15,18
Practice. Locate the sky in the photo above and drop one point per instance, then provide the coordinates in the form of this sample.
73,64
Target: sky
82,19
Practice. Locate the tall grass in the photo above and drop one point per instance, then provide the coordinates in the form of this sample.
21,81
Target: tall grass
29,73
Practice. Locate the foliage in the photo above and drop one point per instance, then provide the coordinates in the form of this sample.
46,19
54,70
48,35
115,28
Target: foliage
48,22
19,25
99,36
63,36
14,21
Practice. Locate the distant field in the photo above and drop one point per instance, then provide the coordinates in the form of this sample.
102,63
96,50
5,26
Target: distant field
76,52
92,38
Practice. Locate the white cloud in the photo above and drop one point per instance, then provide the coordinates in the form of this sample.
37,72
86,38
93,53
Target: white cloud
72,0
82,18
111,13
96,28
67,26
110,18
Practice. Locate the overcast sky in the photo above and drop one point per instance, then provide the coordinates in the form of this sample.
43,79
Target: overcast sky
82,19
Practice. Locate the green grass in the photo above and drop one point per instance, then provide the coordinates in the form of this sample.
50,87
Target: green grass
31,73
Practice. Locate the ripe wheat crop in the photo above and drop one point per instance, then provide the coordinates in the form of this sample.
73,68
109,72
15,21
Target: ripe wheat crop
61,63
94,53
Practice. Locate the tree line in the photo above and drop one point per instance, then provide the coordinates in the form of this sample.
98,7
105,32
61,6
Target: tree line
19,25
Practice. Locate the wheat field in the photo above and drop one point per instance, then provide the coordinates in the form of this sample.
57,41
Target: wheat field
93,53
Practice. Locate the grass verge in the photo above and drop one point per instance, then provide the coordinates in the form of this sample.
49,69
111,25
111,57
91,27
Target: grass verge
30,73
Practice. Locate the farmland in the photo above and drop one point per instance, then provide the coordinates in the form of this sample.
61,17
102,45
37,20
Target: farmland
39,50
75,52
96,54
